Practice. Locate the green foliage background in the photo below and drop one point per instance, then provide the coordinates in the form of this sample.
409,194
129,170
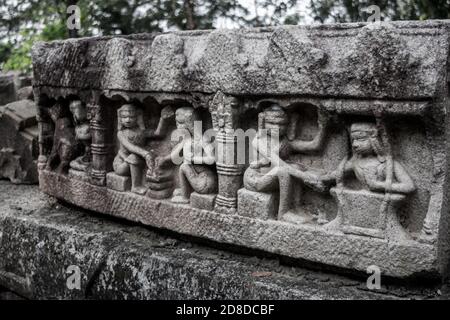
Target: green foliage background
24,22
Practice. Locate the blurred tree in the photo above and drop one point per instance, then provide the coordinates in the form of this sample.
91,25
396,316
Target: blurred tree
274,12
24,21
353,10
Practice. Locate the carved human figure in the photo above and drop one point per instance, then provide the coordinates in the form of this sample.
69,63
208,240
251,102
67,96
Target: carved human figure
369,163
65,147
373,166
82,134
196,172
275,143
132,156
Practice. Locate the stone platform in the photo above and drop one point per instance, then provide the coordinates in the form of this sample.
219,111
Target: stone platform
41,239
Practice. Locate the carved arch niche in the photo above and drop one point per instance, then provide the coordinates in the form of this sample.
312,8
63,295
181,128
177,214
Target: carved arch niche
307,146
58,145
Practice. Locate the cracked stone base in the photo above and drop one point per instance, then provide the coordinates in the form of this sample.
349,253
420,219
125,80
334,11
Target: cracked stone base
401,260
119,261
119,183
257,205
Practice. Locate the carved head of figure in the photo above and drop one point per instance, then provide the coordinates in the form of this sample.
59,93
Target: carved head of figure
57,112
129,117
365,139
275,120
185,118
78,111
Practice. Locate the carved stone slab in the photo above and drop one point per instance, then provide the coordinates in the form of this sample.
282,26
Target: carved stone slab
328,144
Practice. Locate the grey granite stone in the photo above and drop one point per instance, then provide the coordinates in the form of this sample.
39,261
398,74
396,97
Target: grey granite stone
203,201
257,205
42,241
19,142
360,168
119,183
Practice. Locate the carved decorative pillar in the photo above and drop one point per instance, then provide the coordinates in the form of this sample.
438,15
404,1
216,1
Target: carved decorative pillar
101,146
225,112
46,129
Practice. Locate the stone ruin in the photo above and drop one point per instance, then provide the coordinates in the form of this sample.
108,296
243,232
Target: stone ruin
358,172
18,129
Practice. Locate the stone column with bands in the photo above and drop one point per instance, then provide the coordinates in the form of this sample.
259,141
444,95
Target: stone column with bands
225,110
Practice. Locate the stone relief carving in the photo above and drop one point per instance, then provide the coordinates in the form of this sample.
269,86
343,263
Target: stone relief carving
385,183
273,171
65,147
82,135
335,179
196,172
132,157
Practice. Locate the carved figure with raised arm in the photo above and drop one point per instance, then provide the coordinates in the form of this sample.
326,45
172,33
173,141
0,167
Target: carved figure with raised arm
133,157
275,143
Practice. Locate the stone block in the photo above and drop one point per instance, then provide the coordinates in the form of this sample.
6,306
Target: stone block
382,133
257,205
7,89
80,175
203,201
116,182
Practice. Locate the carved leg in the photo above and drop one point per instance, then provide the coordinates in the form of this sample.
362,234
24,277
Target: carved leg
204,182
45,128
181,195
255,181
291,192
136,179
285,182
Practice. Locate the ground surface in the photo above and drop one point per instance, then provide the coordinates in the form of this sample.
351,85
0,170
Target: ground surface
49,250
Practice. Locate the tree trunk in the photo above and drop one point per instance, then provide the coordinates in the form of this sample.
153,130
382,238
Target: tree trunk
189,11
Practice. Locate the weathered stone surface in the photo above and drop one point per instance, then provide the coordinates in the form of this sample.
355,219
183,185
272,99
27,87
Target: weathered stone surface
25,93
18,143
203,201
359,112
14,86
119,183
262,61
257,205
81,175
7,89
40,239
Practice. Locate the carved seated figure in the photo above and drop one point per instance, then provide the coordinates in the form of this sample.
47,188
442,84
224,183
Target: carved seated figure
196,172
385,182
65,147
82,134
272,171
132,157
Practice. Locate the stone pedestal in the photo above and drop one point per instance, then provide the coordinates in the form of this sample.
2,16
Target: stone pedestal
116,182
80,175
160,186
367,213
203,201
300,84
141,261
257,205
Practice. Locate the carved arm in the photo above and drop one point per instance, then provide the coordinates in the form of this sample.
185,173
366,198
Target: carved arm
131,147
404,183
167,113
